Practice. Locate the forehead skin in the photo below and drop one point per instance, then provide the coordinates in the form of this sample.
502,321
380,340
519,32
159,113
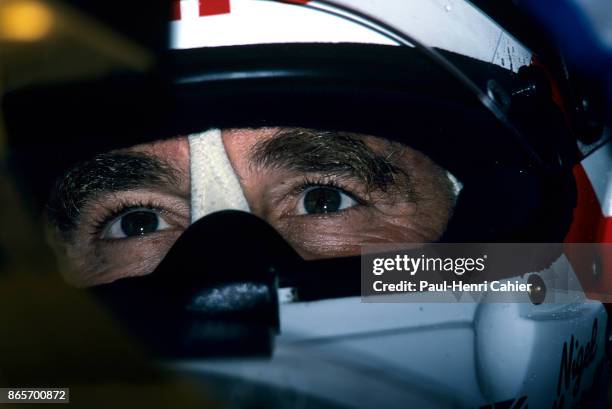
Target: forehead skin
238,145
174,151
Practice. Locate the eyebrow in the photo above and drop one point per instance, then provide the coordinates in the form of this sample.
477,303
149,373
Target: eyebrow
328,152
105,173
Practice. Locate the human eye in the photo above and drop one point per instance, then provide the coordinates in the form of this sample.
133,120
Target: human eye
122,234
328,215
134,222
322,199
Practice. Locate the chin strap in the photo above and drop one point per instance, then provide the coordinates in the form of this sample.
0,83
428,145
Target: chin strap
214,184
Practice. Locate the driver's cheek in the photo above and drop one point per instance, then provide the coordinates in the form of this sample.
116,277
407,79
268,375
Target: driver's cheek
85,266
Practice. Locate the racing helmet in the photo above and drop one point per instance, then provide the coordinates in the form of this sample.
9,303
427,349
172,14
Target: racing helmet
440,77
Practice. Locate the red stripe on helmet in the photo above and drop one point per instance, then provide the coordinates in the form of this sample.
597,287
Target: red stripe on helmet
175,11
213,7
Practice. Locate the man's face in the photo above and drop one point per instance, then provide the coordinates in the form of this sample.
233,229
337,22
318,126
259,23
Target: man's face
326,193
